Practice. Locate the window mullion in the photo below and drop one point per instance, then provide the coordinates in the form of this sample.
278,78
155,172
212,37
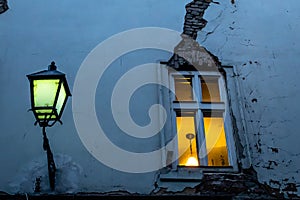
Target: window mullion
172,87
197,89
212,106
222,91
175,135
202,154
173,118
199,122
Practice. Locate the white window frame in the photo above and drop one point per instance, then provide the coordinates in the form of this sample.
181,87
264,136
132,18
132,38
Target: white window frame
199,107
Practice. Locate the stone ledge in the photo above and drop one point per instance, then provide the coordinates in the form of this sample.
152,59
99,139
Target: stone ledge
108,197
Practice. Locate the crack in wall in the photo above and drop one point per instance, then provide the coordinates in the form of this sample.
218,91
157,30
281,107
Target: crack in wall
194,23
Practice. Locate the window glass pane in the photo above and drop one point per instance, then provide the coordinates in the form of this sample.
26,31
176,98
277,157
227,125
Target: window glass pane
216,146
183,88
210,89
44,111
187,145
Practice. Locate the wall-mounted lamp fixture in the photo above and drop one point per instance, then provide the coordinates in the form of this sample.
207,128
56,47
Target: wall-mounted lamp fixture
49,92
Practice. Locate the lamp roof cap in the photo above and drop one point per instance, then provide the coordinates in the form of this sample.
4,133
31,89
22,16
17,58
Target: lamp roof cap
52,71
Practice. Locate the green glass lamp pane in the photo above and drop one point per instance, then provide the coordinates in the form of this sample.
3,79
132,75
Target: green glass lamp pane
41,117
61,99
45,114
44,92
44,111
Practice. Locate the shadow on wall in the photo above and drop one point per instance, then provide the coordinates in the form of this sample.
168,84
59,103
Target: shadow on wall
3,6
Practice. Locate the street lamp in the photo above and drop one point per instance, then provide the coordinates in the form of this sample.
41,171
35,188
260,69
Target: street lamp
49,92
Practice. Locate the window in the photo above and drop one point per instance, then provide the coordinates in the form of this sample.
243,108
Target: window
202,125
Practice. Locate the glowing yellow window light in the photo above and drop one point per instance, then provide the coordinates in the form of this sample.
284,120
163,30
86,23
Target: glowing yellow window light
216,146
183,88
187,148
192,161
210,89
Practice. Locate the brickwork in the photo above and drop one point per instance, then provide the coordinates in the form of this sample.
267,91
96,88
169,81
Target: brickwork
194,21
188,54
229,185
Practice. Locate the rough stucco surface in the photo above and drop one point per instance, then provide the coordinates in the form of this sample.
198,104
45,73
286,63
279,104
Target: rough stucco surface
245,35
258,49
260,39
66,31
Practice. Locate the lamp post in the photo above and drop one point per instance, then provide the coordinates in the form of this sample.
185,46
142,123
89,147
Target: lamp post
49,92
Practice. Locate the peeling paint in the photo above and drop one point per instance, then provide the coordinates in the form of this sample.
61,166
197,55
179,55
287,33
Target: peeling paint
271,117
265,155
231,33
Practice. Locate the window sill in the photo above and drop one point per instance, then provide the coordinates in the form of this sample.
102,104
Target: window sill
202,102
192,174
212,102
184,101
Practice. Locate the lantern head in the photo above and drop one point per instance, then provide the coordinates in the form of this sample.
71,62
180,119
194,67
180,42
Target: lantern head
49,92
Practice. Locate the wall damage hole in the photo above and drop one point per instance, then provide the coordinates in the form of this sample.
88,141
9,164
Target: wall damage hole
215,2
3,6
254,100
194,21
274,150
